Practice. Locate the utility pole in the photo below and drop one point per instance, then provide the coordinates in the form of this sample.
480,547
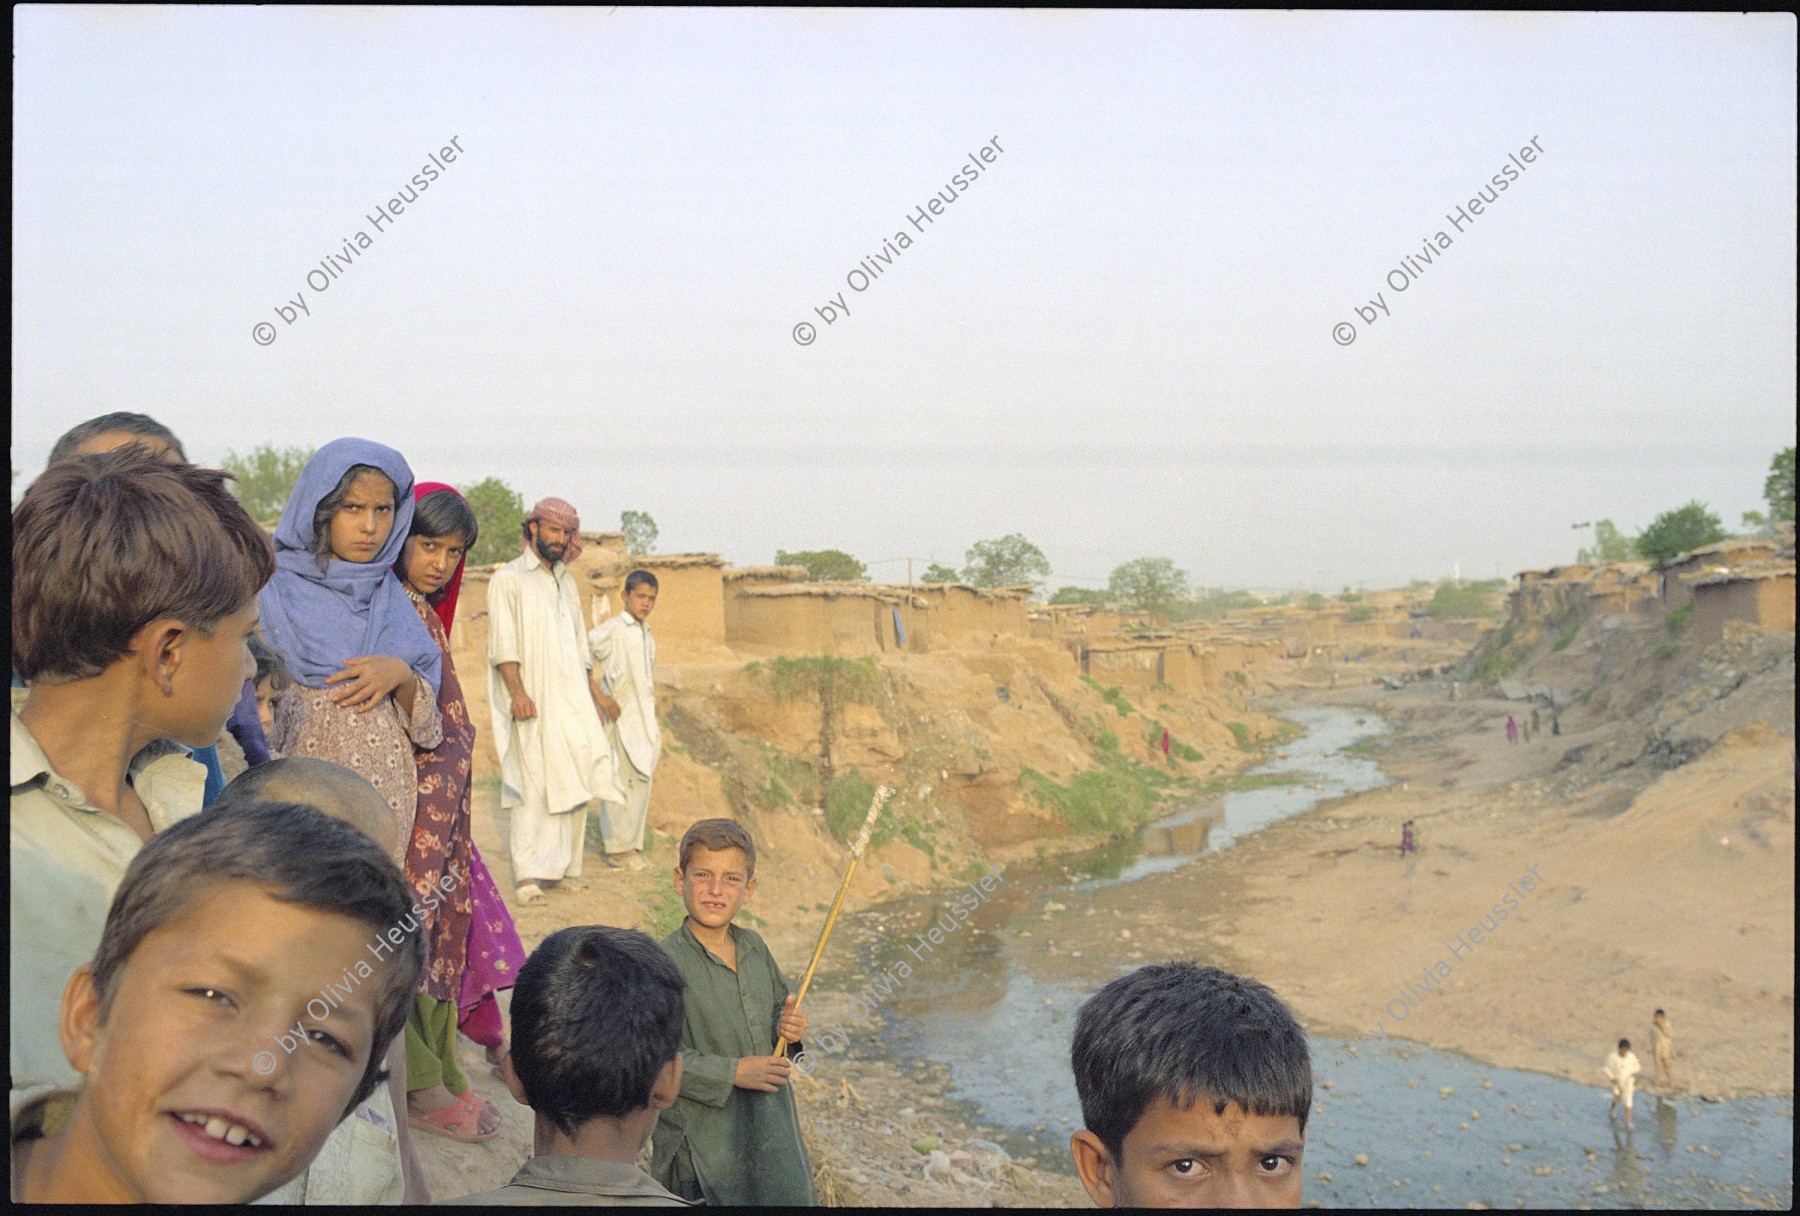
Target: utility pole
909,581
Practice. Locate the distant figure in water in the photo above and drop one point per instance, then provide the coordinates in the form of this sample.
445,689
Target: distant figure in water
1512,729
1622,1068
1406,839
1533,729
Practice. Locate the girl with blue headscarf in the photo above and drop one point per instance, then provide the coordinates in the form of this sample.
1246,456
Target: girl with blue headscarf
365,668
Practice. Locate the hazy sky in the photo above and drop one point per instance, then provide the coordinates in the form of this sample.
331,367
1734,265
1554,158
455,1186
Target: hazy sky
1118,339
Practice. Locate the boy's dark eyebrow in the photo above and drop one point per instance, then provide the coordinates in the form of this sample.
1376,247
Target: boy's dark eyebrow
1176,1149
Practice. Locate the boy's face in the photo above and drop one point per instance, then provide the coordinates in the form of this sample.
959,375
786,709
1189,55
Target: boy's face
640,600
204,688
714,885
1196,1158
193,1045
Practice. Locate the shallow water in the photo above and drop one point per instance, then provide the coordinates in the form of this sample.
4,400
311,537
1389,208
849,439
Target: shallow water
1004,1035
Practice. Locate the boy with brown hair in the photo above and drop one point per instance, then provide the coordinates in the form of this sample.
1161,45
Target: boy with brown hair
252,970
733,1135
134,593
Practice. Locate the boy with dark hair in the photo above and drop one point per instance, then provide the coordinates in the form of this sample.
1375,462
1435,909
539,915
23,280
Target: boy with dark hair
252,969
1195,1085
1621,1069
133,596
110,432
733,1136
596,1054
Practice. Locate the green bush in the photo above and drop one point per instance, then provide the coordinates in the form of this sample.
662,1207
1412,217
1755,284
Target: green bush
1476,599
1101,802
1677,621
847,805
1361,612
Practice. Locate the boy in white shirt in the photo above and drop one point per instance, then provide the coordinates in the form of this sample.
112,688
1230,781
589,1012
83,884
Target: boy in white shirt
1622,1068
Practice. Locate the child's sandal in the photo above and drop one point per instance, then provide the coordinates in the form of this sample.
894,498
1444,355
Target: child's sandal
529,895
458,1121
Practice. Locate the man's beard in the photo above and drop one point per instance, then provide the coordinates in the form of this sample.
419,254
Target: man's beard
543,551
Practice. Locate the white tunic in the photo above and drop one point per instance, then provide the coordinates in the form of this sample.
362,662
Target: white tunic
561,760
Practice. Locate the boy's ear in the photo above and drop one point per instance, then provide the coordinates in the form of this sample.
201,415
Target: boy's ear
1095,1165
668,1085
81,1022
511,1077
158,646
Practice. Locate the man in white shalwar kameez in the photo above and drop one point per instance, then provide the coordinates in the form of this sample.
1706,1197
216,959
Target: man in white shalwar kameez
555,758
626,652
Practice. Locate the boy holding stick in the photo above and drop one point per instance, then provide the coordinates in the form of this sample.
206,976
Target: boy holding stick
733,1135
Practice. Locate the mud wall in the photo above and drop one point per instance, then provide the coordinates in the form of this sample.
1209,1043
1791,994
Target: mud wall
1767,601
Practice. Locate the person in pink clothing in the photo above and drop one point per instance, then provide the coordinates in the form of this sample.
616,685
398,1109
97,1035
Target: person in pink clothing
1512,729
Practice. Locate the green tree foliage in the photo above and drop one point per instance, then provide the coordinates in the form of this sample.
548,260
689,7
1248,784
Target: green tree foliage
1149,584
1610,545
1779,488
500,511
265,478
1315,601
640,532
824,565
1477,599
936,573
1676,532
1080,595
1010,561
1224,601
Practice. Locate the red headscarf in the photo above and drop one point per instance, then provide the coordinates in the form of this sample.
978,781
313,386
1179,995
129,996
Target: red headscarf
445,605
560,513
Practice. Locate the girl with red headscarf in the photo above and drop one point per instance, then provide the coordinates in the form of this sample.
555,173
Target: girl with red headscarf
442,866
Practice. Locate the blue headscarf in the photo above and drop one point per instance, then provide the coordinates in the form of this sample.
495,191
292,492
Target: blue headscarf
317,618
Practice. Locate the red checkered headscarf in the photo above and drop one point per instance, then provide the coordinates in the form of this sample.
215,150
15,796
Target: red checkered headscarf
560,513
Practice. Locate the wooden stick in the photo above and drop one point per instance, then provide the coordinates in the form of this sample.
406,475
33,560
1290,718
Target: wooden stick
856,852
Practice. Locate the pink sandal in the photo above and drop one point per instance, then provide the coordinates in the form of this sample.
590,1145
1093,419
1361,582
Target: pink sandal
458,1121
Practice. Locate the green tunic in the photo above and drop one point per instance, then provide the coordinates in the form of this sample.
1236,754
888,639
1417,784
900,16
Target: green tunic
730,1145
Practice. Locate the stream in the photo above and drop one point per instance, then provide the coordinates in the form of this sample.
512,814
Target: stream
1435,1128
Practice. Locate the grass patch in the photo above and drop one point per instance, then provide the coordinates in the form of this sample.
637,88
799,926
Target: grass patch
1677,621
1241,733
1253,781
1111,696
1665,651
1567,636
1187,751
1101,802
847,805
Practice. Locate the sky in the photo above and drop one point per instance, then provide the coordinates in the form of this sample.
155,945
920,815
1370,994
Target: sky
1135,333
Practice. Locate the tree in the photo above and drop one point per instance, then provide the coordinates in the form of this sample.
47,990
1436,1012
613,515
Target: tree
500,511
640,532
824,565
1779,488
935,573
1080,595
1011,561
1148,584
834,683
1610,545
1676,532
265,478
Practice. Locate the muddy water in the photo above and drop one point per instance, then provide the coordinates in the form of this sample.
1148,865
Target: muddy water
996,1004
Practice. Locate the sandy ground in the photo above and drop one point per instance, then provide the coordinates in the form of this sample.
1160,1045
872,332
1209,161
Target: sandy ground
1684,901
